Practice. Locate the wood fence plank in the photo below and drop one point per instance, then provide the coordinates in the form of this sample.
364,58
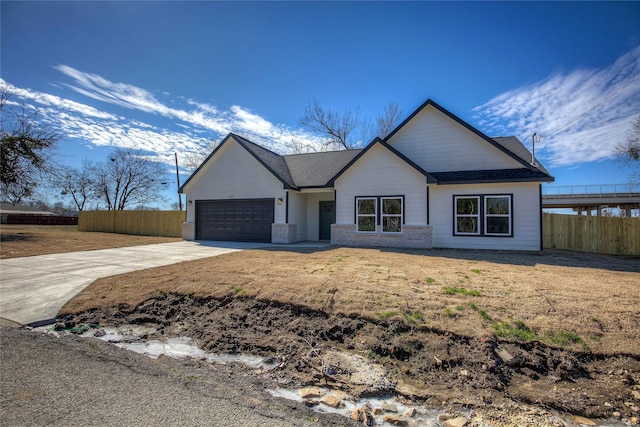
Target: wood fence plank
147,223
607,235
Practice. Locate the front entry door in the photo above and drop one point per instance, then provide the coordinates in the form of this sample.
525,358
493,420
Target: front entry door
327,217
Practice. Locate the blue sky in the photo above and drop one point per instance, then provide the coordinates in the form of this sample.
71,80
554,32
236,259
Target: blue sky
170,76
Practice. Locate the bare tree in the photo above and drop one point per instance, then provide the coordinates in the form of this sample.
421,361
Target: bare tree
192,160
26,145
388,119
336,126
21,188
629,151
75,183
347,129
301,147
127,178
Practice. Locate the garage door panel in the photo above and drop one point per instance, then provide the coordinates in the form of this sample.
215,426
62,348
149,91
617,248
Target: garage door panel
236,220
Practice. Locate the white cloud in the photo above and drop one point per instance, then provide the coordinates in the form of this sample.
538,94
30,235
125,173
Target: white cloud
583,112
238,119
55,101
196,125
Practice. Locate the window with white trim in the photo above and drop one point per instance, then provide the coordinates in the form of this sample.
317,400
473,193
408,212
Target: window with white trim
366,214
467,215
392,214
497,215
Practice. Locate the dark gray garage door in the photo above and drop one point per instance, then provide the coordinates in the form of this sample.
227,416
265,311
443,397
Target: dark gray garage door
234,220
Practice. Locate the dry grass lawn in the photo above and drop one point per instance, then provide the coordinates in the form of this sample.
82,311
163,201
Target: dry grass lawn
29,240
571,300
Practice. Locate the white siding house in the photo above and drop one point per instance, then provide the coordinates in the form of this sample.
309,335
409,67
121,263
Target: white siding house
435,181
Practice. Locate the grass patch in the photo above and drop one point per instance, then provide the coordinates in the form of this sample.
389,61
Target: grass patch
430,280
237,290
452,290
475,270
514,331
564,338
414,317
449,313
387,314
482,313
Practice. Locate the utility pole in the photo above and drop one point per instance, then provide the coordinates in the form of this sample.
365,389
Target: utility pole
178,179
533,148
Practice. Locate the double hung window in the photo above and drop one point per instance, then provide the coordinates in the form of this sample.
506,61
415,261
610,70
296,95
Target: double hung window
467,215
385,211
367,213
391,214
487,215
497,215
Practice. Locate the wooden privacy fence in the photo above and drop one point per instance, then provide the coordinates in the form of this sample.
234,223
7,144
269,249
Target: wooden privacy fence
145,223
605,235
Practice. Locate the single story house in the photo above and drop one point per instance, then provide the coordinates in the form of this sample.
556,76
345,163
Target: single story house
10,210
434,181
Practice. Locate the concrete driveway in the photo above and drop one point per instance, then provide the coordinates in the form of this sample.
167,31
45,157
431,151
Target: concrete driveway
34,289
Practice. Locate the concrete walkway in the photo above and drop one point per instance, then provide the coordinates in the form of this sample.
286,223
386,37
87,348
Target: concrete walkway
33,289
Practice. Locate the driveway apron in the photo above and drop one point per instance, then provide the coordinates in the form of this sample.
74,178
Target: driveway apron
34,289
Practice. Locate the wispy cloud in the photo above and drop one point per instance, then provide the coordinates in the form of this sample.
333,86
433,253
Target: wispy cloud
184,130
581,113
200,116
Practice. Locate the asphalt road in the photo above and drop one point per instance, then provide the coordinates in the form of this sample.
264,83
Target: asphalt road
71,381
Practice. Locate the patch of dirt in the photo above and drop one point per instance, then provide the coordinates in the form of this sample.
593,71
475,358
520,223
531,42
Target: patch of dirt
30,240
365,356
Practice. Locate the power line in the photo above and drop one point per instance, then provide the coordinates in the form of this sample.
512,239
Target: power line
592,108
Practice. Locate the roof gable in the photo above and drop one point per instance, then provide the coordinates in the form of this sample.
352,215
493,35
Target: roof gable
503,148
395,152
273,162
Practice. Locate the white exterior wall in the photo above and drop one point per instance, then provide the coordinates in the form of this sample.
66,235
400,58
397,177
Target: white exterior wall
233,173
439,144
313,212
381,173
526,216
298,213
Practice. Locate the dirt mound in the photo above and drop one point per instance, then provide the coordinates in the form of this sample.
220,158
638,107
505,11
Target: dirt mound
369,356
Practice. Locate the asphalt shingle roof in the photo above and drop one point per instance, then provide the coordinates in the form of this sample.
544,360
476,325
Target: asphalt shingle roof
273,161
491,175
317,169
514,145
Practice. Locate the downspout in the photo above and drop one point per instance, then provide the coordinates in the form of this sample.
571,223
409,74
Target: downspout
428,204
540,204
286,207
